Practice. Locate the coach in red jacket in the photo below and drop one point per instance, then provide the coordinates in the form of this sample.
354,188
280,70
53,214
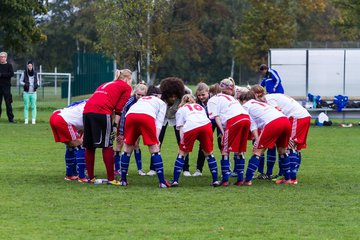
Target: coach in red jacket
98,129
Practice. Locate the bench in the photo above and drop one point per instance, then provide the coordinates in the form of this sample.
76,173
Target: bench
333,113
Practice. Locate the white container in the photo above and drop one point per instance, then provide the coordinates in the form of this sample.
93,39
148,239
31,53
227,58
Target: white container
101,181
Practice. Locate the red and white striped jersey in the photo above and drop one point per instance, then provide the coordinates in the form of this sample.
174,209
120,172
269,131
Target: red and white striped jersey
224,106
152,106
261,113
73,115
287,105
191,116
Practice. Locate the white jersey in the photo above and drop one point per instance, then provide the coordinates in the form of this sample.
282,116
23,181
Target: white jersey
73,114
191,116
261,113
287,105
224,106
152,106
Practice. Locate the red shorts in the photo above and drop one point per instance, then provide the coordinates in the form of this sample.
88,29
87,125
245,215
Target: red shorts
299,131
276,132
236,134
205,136
140,124
62,131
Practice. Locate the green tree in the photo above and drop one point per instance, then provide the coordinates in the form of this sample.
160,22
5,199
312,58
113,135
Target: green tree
18,28
70,27
271,24
348,18
171,32
120,25
265,25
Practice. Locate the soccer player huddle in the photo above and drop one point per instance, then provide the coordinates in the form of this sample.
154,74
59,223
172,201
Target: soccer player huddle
116,112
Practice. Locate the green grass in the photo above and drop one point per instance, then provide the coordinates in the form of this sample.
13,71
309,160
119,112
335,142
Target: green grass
36,203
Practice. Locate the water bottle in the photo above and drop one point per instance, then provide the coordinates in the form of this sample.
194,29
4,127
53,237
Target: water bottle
101,181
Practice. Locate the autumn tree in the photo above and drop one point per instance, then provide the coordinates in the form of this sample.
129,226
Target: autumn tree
348,18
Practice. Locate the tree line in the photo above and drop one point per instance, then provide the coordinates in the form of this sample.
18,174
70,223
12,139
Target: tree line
198,40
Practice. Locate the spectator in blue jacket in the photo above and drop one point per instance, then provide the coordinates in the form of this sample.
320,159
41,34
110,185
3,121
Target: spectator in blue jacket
271,80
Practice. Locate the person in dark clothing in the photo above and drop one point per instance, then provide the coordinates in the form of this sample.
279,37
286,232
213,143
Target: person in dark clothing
6,72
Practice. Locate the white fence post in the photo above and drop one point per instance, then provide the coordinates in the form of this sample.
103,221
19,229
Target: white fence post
69,89
40,71
55,86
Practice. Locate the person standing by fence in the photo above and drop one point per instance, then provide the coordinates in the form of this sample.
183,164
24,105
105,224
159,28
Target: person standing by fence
6,72
30,82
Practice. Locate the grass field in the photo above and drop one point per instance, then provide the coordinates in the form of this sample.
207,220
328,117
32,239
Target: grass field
36,203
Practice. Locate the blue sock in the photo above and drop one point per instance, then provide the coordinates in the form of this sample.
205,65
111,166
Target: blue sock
235,157
261,164
179,164
213,167
117,160
125,160
159,167
270,160
137,154
239,167
225,168
281,172
70,162
285,165
252,167
80,161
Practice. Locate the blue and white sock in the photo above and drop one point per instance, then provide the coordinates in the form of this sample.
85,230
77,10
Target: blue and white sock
293,158
125,160
225,168
252,167
117,160
70,162
213,167
159,167
285,165
80,161
178,166
270,160
299,161
137,154
239,167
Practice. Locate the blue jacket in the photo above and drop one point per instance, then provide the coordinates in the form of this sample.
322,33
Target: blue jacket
272,82
132,100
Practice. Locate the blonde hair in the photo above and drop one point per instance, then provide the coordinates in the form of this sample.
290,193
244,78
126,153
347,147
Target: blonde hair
120,74
187,98
258,90
228,84
140,87
3,54
239,91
